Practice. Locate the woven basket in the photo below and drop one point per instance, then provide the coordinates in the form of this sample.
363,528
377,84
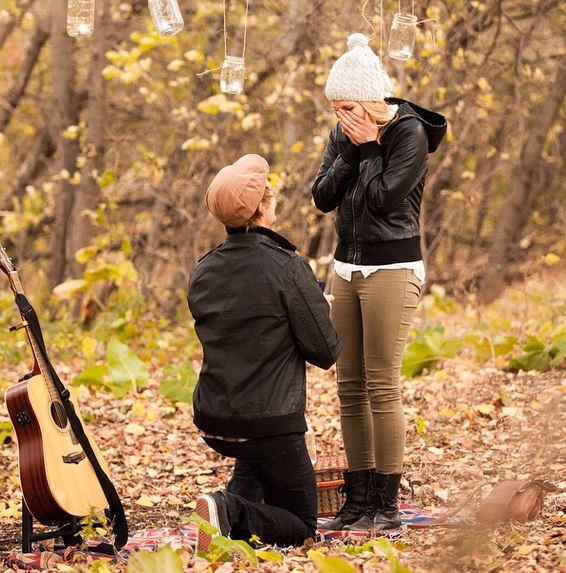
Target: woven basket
328,470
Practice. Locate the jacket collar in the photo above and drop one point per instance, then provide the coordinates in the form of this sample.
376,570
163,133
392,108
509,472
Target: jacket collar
276,237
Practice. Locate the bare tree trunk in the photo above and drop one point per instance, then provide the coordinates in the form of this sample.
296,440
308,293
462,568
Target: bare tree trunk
34,163
485,183
524,190
43,146
64,114
19,85
7,28
87,194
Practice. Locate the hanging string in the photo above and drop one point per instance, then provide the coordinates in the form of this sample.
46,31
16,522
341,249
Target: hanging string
418,21
373,27
433,31
225,30
245,29
381,30
412,7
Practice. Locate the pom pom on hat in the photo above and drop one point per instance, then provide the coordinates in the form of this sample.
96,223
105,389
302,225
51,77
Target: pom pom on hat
357,75
237,190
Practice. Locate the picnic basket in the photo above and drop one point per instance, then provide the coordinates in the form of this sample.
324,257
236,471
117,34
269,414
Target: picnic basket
328,470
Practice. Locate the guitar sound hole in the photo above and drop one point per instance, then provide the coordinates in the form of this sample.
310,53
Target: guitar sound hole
58,414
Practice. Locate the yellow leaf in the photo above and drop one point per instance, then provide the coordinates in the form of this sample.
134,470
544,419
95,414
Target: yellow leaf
551,259
145,501
175,65
134,429
526,549
193,56
138,410
181,471
447,413
67,289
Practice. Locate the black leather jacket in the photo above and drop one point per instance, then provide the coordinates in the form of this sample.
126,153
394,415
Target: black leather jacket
259,314
377,188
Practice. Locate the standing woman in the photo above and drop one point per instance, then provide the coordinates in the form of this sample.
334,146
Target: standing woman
373,173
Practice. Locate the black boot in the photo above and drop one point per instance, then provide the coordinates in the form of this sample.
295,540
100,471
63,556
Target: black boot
356,487
383,509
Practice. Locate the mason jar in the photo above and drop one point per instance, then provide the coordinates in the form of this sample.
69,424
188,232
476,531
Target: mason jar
166,16
80,17
402,37
232,75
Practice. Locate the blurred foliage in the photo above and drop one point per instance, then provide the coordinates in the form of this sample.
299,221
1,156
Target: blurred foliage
168,129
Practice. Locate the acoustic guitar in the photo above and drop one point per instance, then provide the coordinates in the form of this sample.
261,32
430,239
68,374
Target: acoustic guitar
57,479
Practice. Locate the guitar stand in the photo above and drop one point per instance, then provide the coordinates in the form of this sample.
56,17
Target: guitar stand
68,532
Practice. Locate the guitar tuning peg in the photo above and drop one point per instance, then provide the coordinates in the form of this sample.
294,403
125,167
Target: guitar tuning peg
19,326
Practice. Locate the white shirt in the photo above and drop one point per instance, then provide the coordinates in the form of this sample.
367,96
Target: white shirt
345,270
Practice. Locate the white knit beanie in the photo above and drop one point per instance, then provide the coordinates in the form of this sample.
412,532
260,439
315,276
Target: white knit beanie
357,75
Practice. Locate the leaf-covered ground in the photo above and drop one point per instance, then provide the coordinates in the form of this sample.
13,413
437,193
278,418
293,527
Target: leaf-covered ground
468,425
159,464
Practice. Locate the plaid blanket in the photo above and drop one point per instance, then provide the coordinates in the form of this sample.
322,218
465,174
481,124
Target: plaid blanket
184,536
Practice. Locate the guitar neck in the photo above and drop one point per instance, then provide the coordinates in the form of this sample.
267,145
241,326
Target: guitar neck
40,366
15,283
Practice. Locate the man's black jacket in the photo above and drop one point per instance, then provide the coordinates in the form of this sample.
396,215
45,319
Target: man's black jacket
259,315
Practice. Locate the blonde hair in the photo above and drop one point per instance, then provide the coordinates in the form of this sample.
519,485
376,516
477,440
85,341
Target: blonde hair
379,111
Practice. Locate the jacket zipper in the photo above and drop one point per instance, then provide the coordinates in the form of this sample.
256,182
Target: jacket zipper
354,236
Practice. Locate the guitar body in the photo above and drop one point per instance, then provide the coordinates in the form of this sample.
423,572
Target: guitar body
57,479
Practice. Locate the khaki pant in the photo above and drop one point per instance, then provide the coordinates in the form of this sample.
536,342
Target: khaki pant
373,316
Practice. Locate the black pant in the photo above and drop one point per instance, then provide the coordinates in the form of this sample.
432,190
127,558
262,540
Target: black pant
277,469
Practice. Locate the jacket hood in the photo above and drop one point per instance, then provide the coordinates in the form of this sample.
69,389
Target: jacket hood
435,123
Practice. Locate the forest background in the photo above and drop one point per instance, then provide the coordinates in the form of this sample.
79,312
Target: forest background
108,143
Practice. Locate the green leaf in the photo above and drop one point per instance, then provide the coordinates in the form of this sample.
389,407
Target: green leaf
125,366
331,564
428,347
272,556
92,375
486,348
165,560
385,547
224,549
5,431
179,383
538,357
202,524
558,352
95,376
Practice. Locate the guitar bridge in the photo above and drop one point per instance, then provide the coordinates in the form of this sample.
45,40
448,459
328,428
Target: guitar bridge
74,458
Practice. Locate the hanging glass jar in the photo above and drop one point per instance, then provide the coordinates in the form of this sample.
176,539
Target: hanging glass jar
80,17
166,16
402,37
232,75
